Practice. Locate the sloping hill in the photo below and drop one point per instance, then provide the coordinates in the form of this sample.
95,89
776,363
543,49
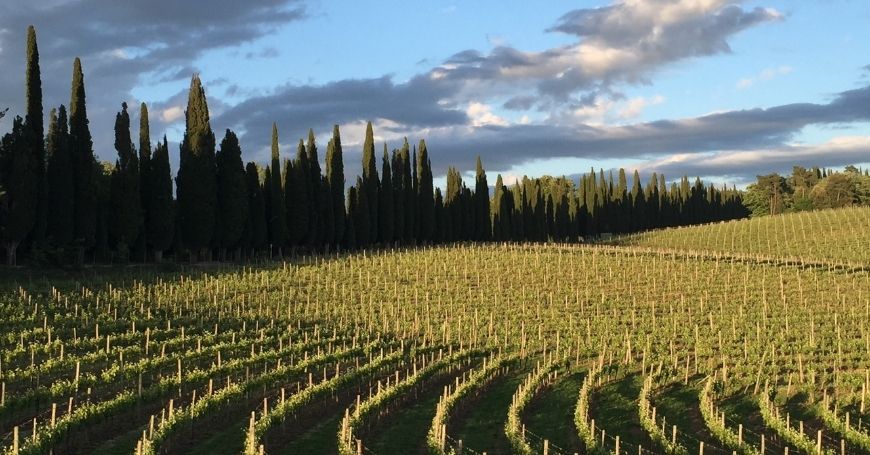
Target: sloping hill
840,235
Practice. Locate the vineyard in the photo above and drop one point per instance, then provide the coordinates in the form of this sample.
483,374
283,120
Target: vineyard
748,337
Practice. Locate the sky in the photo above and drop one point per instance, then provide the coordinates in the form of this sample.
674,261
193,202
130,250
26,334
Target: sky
721,89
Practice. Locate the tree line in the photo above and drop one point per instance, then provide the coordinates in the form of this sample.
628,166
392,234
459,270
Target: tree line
60,205
808,189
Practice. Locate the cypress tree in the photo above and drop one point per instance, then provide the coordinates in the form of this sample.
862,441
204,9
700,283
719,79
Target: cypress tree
441,218
83,165
425,193
361,221
386,221
352,211
161,219
145,179
316,196
267,200
18,178
335,177
59,179
518,216
481,195
622,209
398,196
34,128
415,196
232,194
103,181
125,203
410,196
638,201
371,185
297,195
277,215
196,180
501,215
255,228
454,216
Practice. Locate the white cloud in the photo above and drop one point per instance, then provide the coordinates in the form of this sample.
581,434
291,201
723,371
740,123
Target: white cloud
765,75
743,165
481,114
172,114
606,111
634,107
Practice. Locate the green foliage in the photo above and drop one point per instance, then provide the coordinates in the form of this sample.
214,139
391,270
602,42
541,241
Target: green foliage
297,193
232,197
386,204
161,209
18,177
125,204
425,194
196,181
483,220
370,183
83,163
277,209
59,177
255,234
33,124
335,180
361,220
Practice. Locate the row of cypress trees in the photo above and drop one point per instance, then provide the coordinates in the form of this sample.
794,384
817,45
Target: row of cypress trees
61,204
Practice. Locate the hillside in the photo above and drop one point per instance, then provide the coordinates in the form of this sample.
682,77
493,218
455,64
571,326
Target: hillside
838,235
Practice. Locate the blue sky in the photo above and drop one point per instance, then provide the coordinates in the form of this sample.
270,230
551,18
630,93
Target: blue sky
717,88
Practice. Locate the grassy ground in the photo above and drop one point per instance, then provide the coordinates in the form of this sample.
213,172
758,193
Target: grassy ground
798,407
322,438
404,429
679,405
742,407
614,408
480,423
551,415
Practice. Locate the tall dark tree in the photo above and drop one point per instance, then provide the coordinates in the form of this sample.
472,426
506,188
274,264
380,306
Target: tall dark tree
500,215
34,128
18,178
398,196
361,220
352,213
161,208
83,165
371,185
638,204
196,181
454,216
335,178
441,218
277,215
59,178
255,229
232,194
125,202
145,179
481,197
296,194
410,194
415,197
267,199
386,218
317,222
425,193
